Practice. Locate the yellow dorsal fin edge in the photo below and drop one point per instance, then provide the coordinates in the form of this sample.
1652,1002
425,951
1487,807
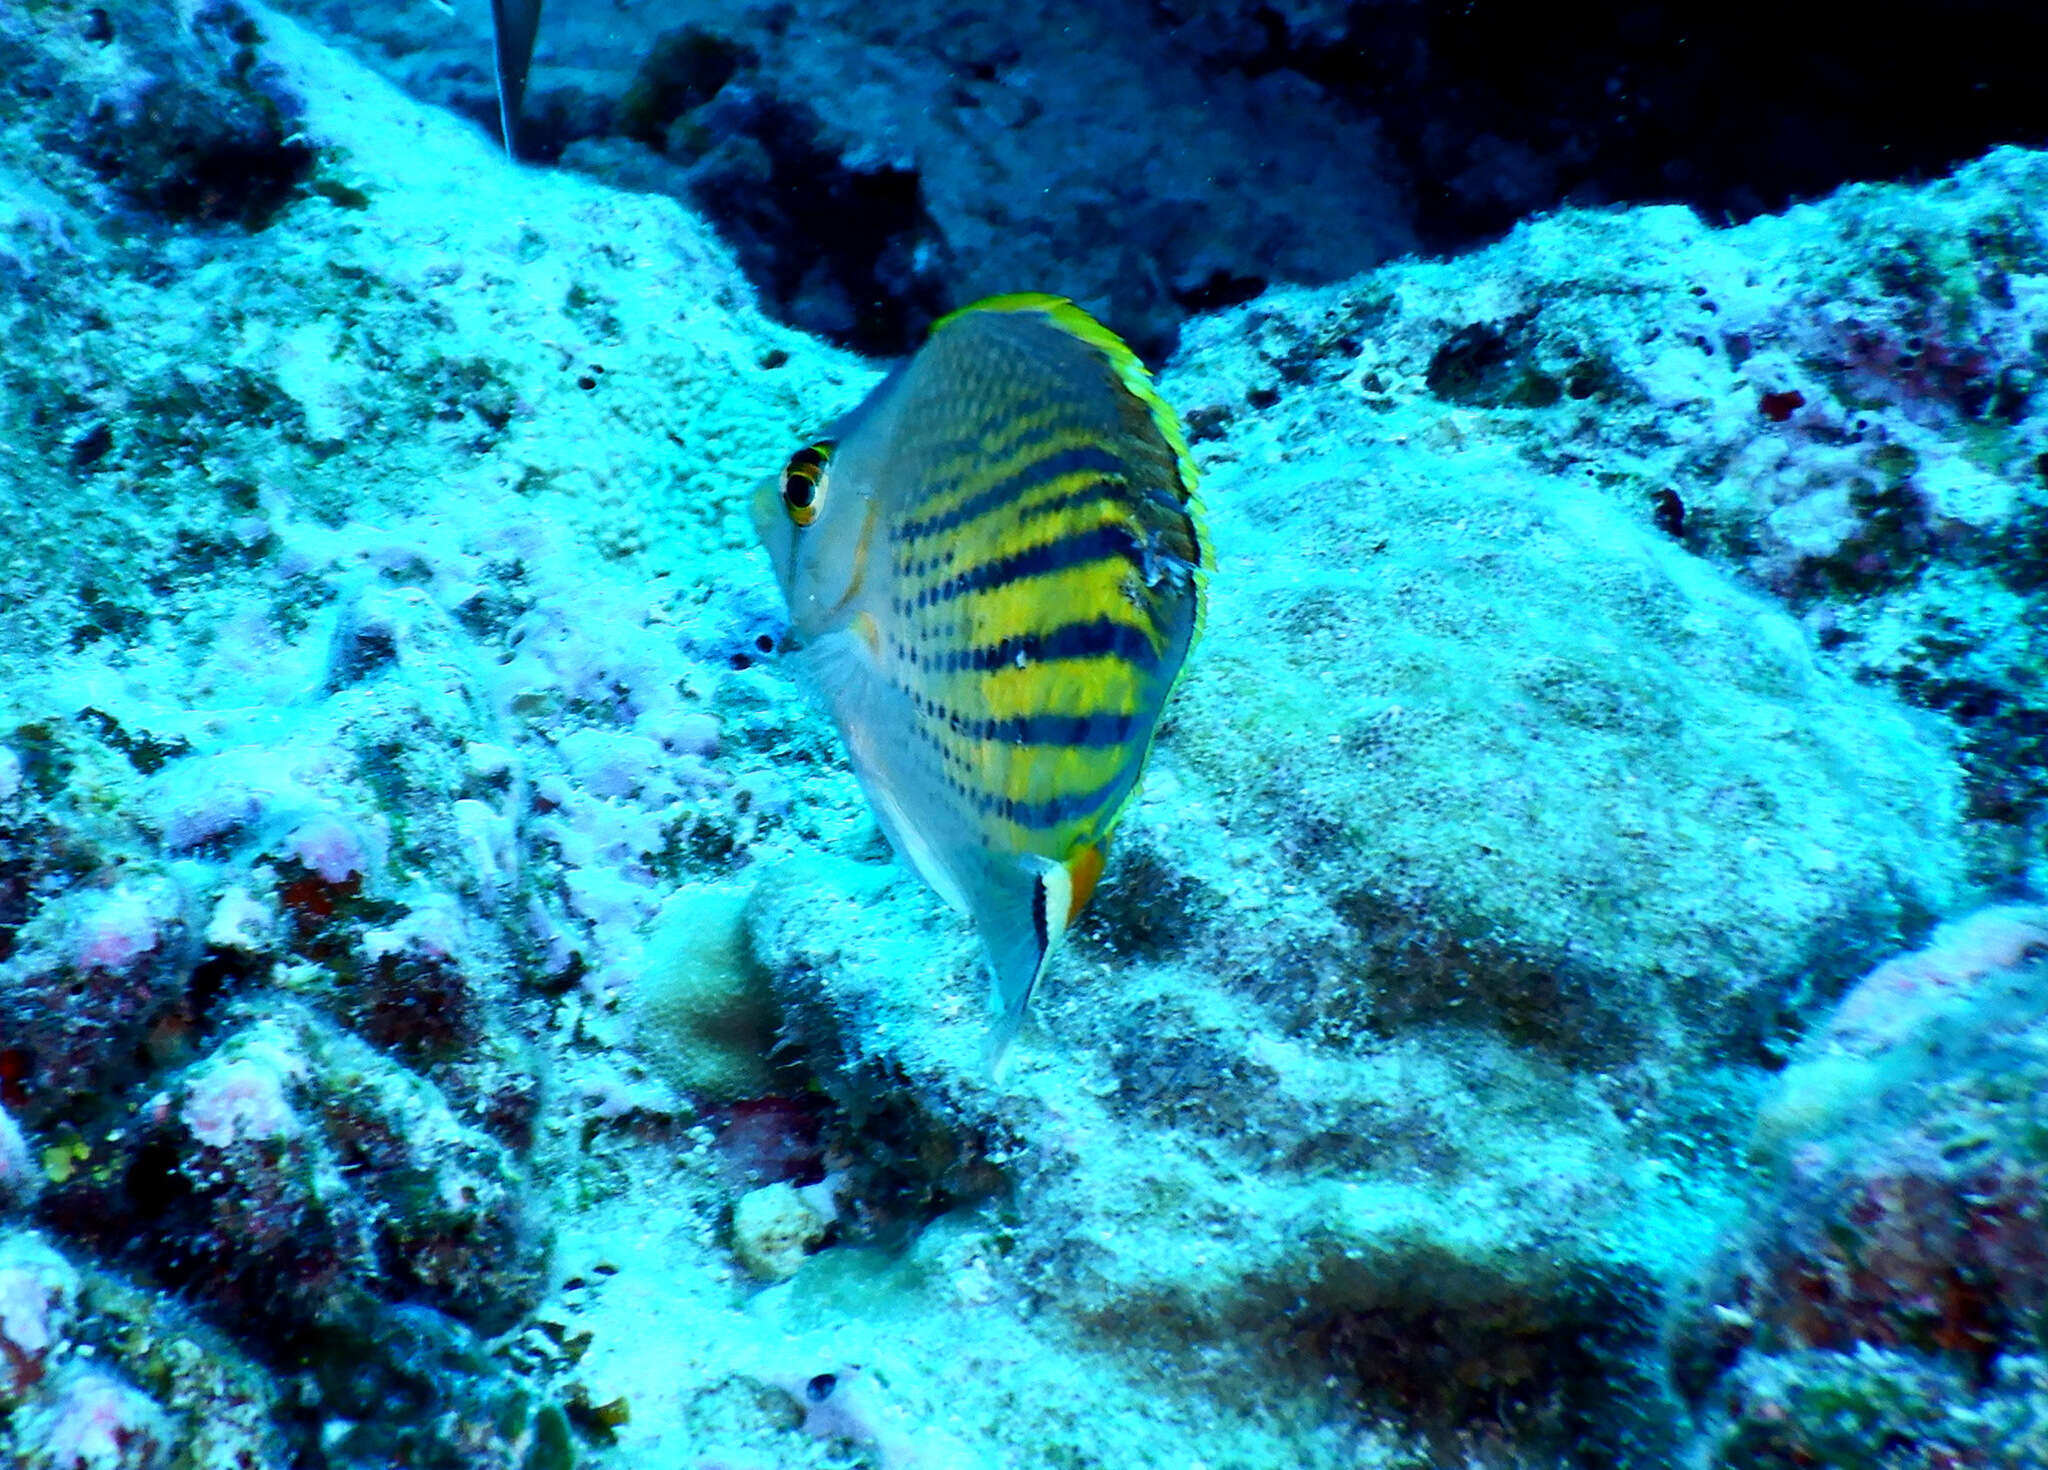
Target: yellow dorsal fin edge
1078,324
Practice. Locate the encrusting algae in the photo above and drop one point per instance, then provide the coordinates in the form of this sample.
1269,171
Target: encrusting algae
994,565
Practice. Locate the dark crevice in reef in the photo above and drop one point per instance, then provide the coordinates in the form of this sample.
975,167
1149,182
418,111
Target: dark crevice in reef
1574,1373
1499,109
1466,117
845,250
1495,110
784,192
209,136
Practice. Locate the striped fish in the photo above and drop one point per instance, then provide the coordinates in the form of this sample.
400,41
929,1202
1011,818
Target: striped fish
994,565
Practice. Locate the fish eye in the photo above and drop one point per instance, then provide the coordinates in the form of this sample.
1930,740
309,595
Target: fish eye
803,481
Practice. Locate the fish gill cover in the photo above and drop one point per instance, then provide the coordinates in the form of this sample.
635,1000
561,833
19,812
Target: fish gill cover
1568,991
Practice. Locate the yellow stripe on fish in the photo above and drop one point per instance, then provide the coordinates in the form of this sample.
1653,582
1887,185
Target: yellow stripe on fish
995,564
1108,684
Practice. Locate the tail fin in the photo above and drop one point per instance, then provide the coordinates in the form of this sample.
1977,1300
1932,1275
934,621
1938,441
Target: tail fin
1021,918
514,23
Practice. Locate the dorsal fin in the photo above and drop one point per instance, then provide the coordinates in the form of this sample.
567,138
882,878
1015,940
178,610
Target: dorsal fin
1130,371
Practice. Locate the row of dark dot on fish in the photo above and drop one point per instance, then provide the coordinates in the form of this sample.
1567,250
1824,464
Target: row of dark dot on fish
1097,543
1108,481
1095,639
1049,812
1097,730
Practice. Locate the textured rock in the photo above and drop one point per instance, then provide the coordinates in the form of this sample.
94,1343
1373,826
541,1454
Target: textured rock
381,780
1161,159
38,1298
1886,1408
1835,403
116,962
1527,766
1896,1260
100,1373
773,1229
92,1420
295,1173
1089,152
183,121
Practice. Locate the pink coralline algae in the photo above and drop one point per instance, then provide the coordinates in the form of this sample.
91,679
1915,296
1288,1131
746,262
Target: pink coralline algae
611,764
682,733
1911,1209
38,1294
94,973
126,925
94,1421
19,1179
1900,996
204,800
296,1173
242,1098
850,1407
329,847
59,1408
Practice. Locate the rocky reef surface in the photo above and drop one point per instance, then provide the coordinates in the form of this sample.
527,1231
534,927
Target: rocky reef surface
872,165
456,1010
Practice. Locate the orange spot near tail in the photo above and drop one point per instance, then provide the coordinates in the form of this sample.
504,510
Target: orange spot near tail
1083,869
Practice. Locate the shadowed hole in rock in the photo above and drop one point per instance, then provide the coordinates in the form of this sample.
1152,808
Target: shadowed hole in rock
1572,1369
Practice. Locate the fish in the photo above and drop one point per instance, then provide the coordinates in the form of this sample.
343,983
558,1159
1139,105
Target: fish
514,24
995,568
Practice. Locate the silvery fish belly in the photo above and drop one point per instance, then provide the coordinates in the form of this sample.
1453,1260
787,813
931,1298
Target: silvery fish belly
995,566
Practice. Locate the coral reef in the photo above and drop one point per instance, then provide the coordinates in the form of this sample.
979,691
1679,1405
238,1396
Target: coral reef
870,165
455,1008
292,1171
103,1376
703,1018
1887,1294
185,123
1836,403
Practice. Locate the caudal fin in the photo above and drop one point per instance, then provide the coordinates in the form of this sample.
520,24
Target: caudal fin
1021,921
514,23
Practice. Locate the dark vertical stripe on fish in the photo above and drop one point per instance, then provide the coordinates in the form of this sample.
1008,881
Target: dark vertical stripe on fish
1101,638
1097,543
1074,459
1057,811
